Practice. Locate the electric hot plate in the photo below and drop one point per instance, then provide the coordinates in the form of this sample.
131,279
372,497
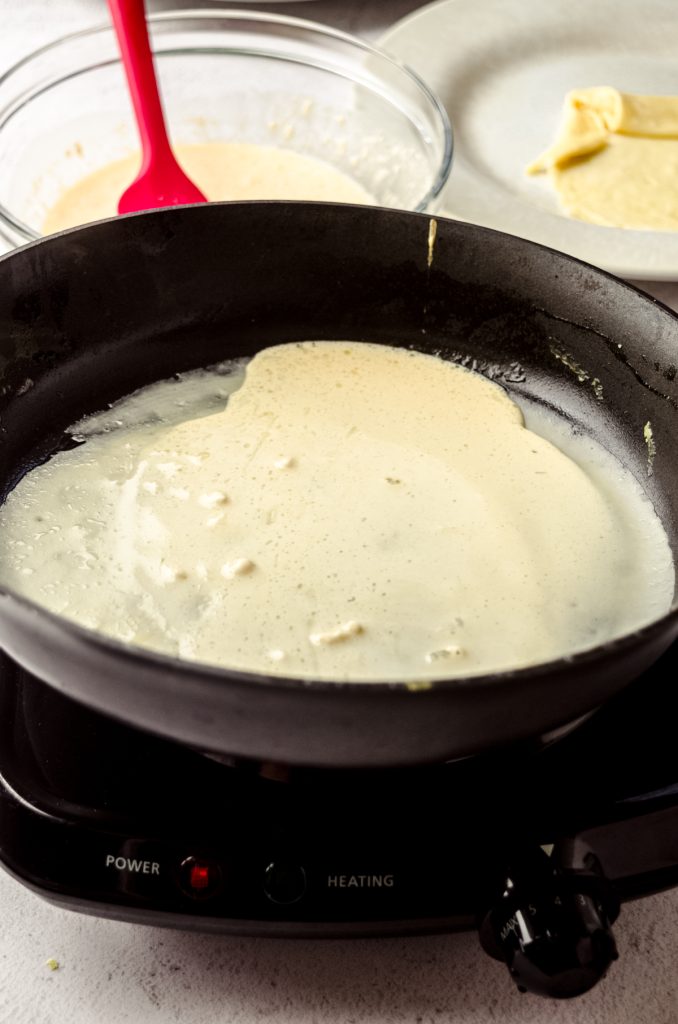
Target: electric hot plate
536,846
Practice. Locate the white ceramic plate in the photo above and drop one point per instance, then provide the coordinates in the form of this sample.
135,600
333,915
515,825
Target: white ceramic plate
502,68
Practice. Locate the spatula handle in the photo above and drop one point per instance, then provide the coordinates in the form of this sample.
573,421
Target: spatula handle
129,21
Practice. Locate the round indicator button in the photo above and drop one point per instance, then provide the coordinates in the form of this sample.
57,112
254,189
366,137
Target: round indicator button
200,878
284,883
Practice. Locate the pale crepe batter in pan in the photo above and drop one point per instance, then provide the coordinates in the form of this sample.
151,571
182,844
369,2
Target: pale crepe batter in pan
353,512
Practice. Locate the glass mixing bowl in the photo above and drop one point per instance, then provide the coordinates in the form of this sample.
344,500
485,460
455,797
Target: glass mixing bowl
236,76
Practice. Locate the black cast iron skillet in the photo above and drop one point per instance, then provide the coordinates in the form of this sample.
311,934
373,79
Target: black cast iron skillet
89,315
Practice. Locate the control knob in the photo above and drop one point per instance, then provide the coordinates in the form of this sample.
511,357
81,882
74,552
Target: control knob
551,926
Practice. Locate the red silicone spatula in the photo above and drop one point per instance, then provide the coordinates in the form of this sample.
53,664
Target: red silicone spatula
161,181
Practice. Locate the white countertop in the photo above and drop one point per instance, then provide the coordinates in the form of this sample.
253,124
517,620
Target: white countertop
112,972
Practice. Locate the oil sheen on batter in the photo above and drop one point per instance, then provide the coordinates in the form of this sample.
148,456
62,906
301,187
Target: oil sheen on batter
222,170
352,512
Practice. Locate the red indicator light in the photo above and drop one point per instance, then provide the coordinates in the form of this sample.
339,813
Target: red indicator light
199,876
